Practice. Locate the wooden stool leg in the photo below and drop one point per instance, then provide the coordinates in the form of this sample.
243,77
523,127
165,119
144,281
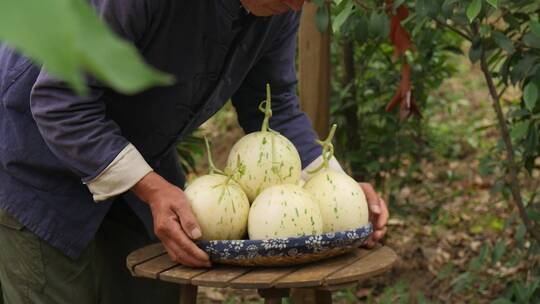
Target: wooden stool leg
303,296
273,295
323,297
188,294
311,296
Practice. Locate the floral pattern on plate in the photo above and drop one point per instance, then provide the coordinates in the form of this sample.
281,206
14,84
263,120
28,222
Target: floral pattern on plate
288,247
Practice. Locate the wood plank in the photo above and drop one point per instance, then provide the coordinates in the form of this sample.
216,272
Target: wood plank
181,274
219,276
152,268
376,263
314,274
314,70
144,254
261,278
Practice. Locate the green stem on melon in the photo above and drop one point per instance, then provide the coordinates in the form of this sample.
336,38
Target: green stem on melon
211,167
230,173
266,108
328,150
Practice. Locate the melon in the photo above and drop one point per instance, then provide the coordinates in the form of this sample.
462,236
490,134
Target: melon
340,198
219,204
265,158
284,211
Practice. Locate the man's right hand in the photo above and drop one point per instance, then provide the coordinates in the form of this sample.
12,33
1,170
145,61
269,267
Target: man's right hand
174,222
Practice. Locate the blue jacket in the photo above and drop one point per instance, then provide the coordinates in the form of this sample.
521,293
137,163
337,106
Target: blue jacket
51,140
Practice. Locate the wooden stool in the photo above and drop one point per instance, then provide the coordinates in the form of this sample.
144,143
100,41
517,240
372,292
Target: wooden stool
312,283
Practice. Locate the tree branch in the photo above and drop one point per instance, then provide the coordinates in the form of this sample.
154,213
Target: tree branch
512,166
453,29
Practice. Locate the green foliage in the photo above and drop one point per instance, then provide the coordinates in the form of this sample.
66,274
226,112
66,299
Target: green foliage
70,40
382,141
503,37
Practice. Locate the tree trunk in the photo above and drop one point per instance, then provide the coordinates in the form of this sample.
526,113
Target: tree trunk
351,110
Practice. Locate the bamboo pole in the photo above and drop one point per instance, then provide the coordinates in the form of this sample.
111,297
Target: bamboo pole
314,69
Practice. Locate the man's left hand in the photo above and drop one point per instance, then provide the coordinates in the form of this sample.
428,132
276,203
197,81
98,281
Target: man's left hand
378,214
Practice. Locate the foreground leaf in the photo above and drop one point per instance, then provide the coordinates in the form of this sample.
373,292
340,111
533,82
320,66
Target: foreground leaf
73,42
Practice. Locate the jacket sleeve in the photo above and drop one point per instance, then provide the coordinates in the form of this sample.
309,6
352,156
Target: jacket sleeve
277,67
76,128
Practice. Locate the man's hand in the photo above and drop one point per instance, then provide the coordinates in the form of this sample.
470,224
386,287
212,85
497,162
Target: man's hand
378,214
174,222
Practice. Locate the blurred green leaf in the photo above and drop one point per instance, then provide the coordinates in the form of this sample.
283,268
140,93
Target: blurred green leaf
519,130
523,68
530,95
69,39
535,28
531,40
494,3
534,215
521,292
378,25
342,16
322,18
475,52
473,9
485,30
422,7
503,42
496,224
420,298
461,282
521,230
531,144
498,251
447,8
361,30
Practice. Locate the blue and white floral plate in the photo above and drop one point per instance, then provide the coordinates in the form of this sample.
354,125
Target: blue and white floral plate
288,251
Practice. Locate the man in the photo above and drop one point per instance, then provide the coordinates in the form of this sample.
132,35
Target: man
61,153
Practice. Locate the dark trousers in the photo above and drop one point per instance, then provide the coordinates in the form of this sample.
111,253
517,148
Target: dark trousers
31,271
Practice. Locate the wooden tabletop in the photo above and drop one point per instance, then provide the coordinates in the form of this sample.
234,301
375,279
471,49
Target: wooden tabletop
153,262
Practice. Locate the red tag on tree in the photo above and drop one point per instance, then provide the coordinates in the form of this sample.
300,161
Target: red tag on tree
401,40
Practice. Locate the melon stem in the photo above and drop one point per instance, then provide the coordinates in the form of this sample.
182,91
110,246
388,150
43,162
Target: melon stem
328,150
211,167
267,109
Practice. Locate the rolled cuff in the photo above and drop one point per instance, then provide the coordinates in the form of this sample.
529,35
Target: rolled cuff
128,168
333,164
